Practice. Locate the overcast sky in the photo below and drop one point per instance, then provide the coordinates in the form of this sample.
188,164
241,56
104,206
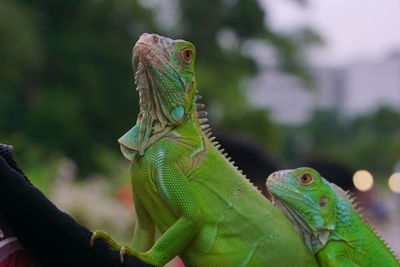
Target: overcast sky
352,29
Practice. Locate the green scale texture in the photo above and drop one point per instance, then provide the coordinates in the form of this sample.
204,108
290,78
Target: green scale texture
190,199
328,220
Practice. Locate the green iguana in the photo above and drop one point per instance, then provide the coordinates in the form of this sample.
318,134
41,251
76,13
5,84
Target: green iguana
328,220
206,211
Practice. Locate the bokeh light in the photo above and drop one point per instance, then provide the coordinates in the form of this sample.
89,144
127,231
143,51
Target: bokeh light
363,180
394,182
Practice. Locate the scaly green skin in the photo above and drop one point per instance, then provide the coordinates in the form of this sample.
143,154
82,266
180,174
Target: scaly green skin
184,188
324,214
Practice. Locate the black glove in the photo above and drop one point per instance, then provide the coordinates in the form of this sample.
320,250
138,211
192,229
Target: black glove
52,237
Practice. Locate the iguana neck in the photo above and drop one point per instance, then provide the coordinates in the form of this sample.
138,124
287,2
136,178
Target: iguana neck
190,128
147,131
347,224
154,120
346,220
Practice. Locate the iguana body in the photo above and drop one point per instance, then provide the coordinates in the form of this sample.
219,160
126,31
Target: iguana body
184,188
324,214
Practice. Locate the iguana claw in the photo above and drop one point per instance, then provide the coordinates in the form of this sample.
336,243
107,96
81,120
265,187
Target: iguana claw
91,241
122,254
130,252
123,250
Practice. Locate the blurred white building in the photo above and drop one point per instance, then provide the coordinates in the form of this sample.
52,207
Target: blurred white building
353,90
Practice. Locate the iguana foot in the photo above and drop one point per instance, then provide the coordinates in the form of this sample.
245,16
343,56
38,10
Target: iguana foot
106,237
123,250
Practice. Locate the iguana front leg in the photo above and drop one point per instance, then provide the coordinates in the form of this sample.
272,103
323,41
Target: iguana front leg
174,188
143,237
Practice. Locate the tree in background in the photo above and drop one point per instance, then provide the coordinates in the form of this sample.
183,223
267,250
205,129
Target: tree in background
66,81
67,84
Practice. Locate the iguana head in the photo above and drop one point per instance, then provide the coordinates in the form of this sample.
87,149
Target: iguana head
166,84
308,200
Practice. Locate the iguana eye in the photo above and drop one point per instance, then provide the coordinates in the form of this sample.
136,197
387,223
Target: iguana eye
187,55
305,179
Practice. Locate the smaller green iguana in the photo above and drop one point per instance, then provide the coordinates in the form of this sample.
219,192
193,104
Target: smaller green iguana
327,218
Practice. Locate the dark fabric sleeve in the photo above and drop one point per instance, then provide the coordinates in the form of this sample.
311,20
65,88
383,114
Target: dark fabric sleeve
51,237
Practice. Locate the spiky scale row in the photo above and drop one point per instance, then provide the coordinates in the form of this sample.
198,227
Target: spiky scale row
200,106
207,131
300,192
354,202
203,120
202,113
359,210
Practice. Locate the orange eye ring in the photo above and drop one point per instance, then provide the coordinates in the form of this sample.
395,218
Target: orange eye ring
187,55
305,179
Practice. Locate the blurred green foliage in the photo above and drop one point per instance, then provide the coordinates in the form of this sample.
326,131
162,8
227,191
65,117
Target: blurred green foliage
67,90
66,84
66,80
